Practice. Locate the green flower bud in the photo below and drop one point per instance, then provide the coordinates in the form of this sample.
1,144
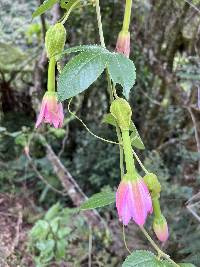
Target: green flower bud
152,183
122,112
55,39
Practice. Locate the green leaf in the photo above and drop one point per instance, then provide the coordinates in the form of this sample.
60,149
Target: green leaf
186,265
61,248
122,71
46,245
47,4
67,4
136,140
86,67
52,212
79,74
142,258
63,232
83,48
40,230
99,200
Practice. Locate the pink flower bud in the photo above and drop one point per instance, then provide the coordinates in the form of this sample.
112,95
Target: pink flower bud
123,43
51,111
133,201
160,228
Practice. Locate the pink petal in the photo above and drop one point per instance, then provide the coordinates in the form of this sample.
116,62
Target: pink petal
41,114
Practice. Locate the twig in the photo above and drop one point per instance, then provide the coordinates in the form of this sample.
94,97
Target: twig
124,238
40,176
192,5
197,138
90,247
189,207
161,254
17,229
71,187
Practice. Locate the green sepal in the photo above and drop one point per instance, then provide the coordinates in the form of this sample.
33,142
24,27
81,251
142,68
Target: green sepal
136,140
55,39
159,221
122,112
151,180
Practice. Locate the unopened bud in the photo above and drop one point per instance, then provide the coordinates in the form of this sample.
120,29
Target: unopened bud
121,110
160,228
55,39
123,43
151,180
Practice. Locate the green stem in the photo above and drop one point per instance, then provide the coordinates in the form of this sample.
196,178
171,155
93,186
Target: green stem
101,35
139,161
156,207
127,15
51,86
130,166
98,11
159,251
124,238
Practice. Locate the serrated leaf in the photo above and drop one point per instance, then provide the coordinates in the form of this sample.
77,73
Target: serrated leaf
68,4
47,4
83,48
79,74
122,71
52,212
141,258
86,67
136,140
99,200
186,265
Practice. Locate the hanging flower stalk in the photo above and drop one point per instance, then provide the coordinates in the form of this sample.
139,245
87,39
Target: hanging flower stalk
51,110
123,40
160,226
133,199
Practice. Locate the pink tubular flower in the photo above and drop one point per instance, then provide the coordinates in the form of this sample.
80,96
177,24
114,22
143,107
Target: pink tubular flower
123,43
160,228
51,111
133,201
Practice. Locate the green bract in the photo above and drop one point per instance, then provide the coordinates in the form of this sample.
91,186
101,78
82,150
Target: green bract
152,183
55,39
121,110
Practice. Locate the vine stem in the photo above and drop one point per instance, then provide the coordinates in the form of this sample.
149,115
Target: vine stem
101,35
161,254
110,89
127,15
96,136
139,161
124,238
